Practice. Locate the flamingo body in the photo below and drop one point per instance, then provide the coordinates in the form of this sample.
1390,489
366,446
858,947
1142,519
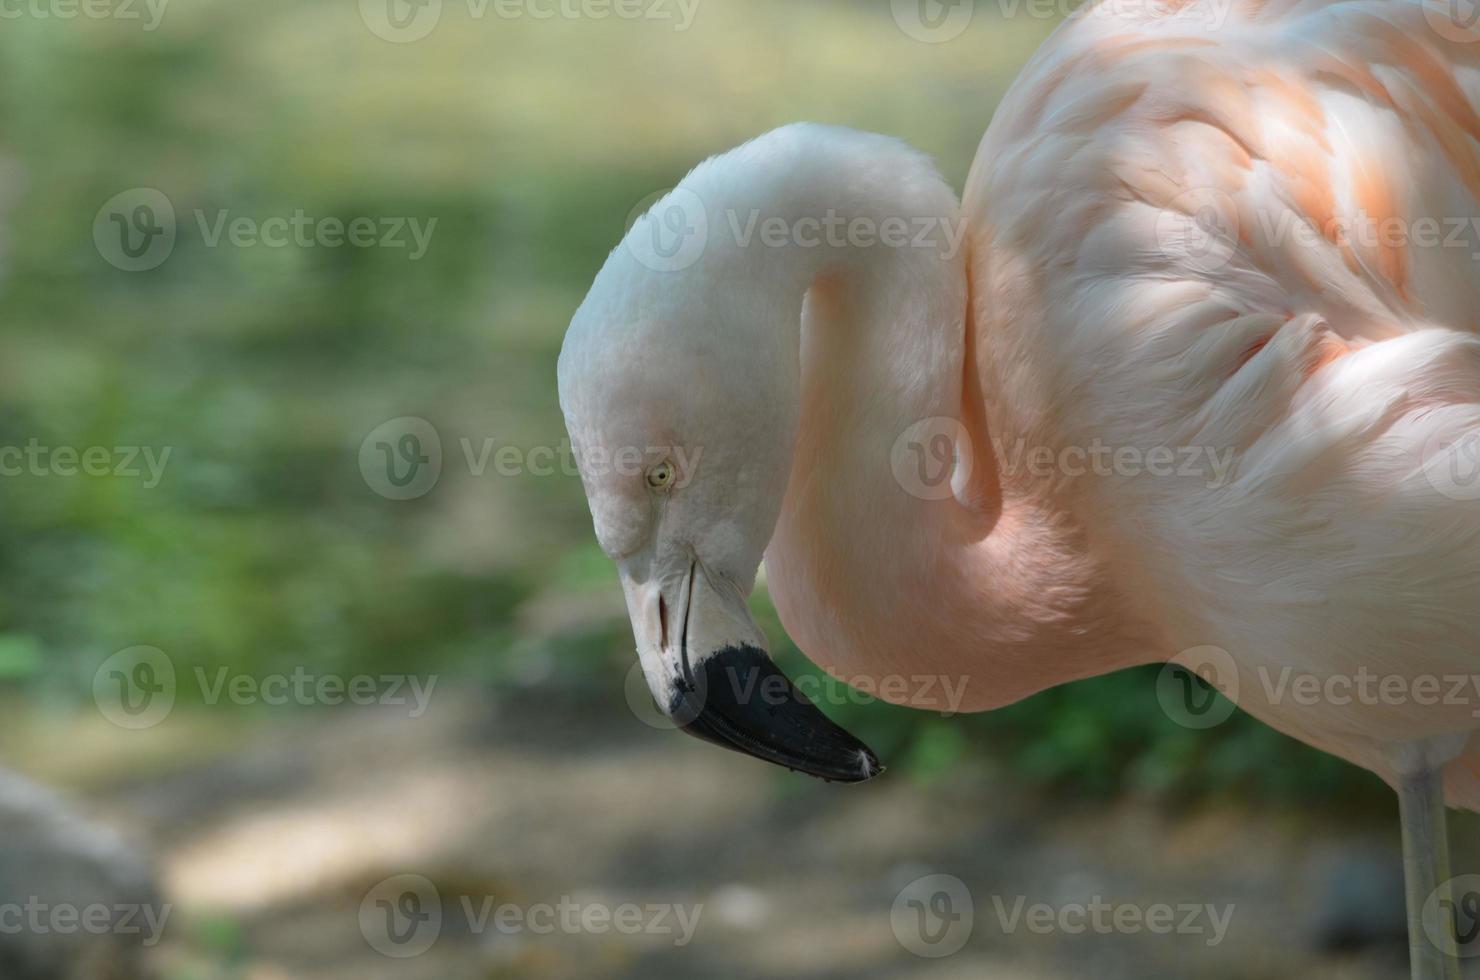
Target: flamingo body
1256,231
1239,231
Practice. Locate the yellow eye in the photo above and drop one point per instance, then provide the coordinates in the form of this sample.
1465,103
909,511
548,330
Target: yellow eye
660,477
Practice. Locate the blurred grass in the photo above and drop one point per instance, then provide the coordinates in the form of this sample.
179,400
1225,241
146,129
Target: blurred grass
263,369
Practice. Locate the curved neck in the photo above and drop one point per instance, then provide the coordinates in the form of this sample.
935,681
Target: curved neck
885,564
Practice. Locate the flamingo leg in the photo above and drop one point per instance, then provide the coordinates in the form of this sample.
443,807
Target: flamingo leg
1425,871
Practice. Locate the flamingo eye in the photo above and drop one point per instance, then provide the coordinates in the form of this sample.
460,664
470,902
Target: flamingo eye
661,477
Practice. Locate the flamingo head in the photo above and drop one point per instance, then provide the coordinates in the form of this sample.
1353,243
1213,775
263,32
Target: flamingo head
681,400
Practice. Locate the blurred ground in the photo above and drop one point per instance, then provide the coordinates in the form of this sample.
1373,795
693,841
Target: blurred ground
270,842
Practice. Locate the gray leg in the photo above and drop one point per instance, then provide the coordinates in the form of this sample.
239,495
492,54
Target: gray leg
1425,869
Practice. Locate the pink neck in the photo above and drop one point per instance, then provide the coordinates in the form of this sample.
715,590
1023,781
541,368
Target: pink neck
991,589
998,597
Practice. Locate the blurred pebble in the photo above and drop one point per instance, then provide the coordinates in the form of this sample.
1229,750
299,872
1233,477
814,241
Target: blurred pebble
63,868
1359,899
740,907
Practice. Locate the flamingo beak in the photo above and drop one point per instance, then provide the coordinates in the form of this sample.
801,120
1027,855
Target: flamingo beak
707,667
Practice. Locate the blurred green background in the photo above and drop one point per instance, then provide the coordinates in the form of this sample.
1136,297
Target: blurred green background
263,370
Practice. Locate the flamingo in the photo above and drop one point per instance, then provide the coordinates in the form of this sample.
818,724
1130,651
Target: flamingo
1191,225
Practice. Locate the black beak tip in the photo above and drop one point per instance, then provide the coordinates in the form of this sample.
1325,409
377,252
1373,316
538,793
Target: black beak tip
868,767
739,700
